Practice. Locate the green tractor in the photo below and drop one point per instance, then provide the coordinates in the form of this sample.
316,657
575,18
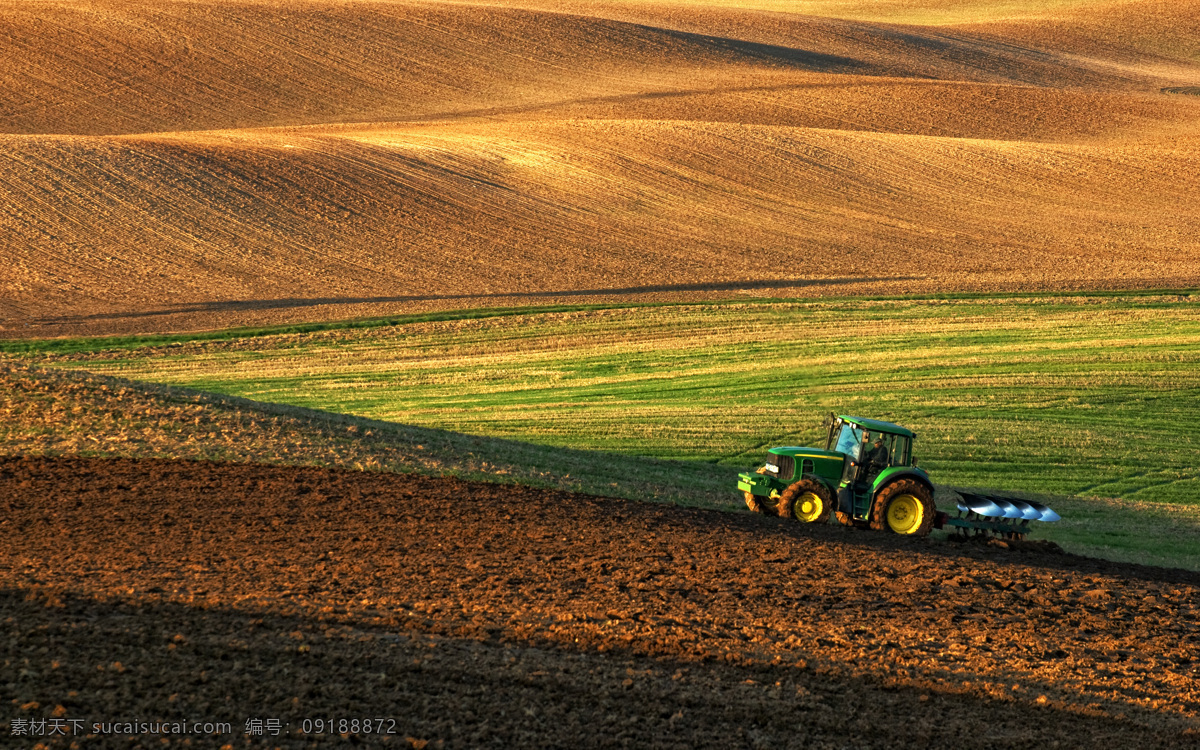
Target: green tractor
866,476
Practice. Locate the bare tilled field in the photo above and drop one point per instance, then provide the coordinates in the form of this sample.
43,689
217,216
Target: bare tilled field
188,166
477,615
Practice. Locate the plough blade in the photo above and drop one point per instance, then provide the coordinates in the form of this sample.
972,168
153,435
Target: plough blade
1047,514
1010,508
980,505
1003,507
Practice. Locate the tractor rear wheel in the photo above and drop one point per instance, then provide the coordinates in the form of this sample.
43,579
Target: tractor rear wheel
807,501
904,507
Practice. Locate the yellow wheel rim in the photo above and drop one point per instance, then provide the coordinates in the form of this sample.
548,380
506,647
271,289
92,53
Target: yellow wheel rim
808,507
905,514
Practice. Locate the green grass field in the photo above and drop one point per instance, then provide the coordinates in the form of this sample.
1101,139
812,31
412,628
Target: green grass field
1080,396
1091,396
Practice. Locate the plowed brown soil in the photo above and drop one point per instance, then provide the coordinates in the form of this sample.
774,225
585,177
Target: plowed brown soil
487,615
175,166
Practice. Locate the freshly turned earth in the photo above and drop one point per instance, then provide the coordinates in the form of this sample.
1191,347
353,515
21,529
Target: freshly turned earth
480,615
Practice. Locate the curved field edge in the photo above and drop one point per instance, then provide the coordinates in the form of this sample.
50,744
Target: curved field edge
57,412
72,413
21,343
1089,396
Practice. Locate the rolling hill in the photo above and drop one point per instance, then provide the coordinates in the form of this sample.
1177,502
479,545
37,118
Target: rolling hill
193,165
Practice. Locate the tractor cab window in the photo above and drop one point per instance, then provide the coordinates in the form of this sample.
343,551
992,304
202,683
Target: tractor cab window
850,441
897,447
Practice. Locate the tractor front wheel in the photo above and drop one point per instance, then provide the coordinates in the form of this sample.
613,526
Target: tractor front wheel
904,507
808,501
755,503
846,519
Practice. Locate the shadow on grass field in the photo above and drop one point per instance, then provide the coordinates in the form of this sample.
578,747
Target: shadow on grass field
58,412
301,302
64,412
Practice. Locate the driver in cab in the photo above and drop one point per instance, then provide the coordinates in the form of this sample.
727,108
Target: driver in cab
877,458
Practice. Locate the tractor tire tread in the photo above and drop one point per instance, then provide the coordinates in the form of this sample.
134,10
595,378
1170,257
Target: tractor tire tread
787,500
846,519
903,487
754,503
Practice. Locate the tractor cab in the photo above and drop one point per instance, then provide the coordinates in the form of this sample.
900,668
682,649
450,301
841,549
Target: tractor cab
870,446
873,450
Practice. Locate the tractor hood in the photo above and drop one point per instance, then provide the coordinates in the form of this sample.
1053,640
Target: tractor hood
803,452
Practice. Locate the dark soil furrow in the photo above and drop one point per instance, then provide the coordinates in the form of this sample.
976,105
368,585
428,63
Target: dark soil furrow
480,614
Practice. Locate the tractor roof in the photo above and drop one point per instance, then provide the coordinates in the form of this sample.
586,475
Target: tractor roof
877,426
